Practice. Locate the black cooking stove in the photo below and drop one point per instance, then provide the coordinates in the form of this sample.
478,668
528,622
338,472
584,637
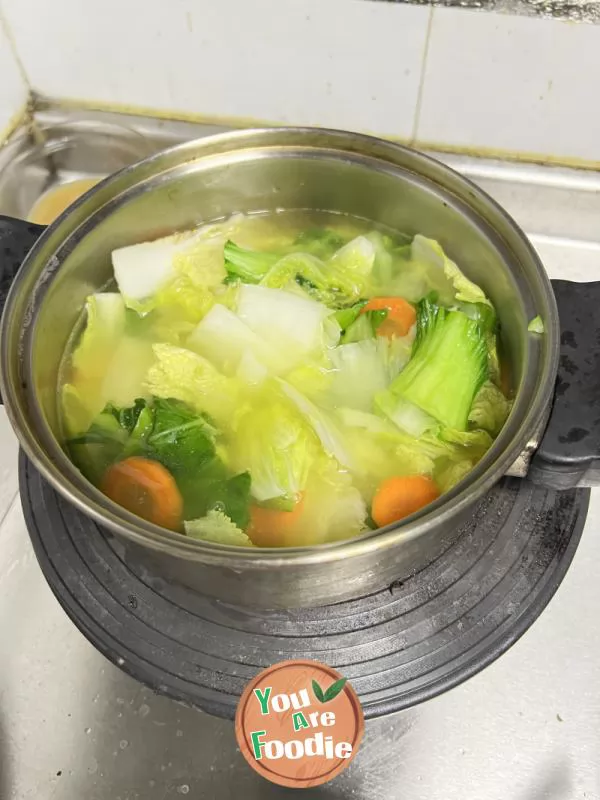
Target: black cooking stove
408,643
405,644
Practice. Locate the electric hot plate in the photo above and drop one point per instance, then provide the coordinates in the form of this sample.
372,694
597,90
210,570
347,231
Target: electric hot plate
398,647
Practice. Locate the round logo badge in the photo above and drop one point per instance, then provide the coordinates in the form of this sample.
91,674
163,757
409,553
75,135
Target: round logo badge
299,723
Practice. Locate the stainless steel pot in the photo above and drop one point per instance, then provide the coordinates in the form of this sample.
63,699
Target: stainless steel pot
264,170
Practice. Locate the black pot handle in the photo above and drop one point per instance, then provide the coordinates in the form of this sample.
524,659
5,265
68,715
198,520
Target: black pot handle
17,237
569,453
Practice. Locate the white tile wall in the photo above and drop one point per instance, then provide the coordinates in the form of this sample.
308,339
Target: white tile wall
13,89
342,63
515,84
489,82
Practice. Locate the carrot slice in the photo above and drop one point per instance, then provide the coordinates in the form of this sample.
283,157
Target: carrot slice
400,318
146,488
269,527
398,497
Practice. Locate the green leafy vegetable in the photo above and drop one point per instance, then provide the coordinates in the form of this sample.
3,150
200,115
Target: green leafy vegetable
380,450
536,325
201,258
471,443
459,453
211,489
176,280
322,423
362,369
108,366
386,263
78,409
124,378
410,454
249,265
105,426
482,313
406,415
172,433
485,315
233,497
333,507
128,417
338,282
346,316
242,360
312,379
181,263
364,327
490,409
84,395
288,323
349,269
142,269
105,313
306,270
428,252
397,274
102,444
180,306
116,433
136,444
370,423
181,440
319,242
226,341
493,359
279,472
217,527
186,376
448,473
447,368
166,431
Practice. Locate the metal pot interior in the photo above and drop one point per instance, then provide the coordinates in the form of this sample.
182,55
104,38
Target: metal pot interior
264,171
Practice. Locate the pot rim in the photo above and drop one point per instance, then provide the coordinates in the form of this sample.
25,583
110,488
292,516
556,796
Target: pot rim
66,479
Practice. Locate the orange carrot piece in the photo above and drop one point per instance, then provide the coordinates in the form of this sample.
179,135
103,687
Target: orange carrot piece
400,318
269,527
398,497
147,489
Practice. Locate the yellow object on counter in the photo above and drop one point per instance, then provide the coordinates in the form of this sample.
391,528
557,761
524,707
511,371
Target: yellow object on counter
53,202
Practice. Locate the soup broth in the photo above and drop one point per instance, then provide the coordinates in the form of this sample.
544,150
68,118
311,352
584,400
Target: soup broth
282,380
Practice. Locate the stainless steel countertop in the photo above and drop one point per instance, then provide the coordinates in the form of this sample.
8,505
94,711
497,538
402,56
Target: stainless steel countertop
73,727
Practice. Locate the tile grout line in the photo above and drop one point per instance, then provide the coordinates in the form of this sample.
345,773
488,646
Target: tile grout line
9,508
417,116
13,46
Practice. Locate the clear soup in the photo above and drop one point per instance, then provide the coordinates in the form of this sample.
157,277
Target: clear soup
282,380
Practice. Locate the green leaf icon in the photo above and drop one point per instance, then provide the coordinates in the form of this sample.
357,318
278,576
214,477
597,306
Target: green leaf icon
329,694
335,689
318,692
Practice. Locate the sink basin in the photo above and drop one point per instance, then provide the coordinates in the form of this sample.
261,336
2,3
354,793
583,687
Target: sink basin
73,726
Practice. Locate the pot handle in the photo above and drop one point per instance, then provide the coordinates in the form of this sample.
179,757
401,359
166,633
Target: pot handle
569,452
17,237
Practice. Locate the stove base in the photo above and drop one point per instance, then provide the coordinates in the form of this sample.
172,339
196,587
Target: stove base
398,647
